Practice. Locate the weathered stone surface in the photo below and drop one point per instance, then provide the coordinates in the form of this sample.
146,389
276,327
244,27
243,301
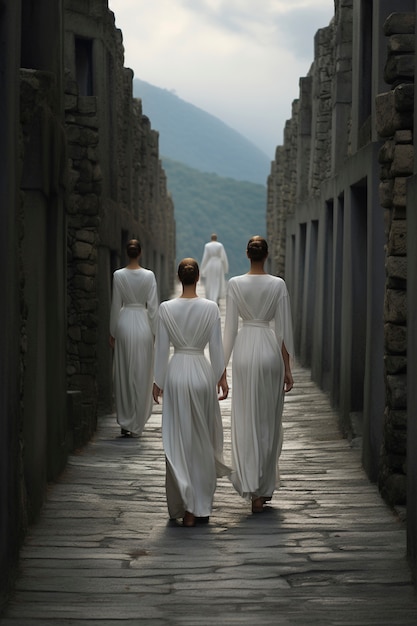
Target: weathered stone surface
87,105
105,552
395,489
395,364
395,338
82,250
397,267
397,391
403,161
300,171
399,68
89,236
85,283
400,23
396,440
397,418
400,192
397,243
404,102
403,136
395,309
388,119
386,153
401,43
385,194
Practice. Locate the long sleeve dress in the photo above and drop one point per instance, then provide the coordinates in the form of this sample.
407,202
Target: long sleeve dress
262,302
214,266
192,430
133,316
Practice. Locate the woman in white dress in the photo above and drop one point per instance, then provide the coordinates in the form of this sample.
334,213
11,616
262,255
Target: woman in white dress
192,432
133,316
261,373
214,266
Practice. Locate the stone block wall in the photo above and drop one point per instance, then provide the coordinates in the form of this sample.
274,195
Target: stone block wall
80,175
337,193
304,160
83,221
118,191
395,110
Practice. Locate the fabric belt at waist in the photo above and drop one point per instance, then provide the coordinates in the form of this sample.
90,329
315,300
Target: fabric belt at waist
134,305
259,323
188,351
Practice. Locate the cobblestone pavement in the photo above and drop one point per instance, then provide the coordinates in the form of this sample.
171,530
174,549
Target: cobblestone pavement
327,551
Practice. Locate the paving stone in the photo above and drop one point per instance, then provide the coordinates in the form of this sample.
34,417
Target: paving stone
327,552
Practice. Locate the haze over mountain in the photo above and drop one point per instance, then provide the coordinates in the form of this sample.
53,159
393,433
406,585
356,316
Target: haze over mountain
206,203
194,137
216,177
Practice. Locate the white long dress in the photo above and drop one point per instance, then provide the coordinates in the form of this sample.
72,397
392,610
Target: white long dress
214,266
263,304
133,316
192,430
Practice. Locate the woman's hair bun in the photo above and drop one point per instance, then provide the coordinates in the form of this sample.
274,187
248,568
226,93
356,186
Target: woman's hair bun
133,248
188,271
257,248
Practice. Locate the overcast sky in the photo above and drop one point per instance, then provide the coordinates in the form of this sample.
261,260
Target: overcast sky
239,60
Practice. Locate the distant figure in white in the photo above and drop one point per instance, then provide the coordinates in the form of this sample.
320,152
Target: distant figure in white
214,266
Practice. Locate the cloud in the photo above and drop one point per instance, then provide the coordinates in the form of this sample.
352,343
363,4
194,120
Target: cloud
237,59
296,27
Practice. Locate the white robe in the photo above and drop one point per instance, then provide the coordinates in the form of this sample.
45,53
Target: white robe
192,430
214,266
133,316
257,378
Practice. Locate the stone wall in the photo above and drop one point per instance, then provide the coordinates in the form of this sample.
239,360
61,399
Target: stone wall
395,110
80,175
325,223
350,146
304,160
83,221
119,191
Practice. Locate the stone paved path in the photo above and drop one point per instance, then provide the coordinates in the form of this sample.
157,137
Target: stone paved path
326,552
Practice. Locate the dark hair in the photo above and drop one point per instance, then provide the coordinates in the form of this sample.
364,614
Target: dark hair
188,271
257,248
133,248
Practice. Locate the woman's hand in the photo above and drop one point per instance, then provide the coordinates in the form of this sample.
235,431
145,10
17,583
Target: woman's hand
156,392
112,342
288,380
222,384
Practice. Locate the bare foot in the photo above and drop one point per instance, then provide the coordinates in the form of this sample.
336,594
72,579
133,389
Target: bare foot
188,519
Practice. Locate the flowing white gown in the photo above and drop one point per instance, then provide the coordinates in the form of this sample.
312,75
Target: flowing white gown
214,266
192,431
257,378
133,316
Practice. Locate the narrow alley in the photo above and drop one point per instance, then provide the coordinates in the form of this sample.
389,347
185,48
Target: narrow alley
326,551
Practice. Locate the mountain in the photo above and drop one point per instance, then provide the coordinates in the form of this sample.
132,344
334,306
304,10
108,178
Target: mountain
217,178
206,203
194,137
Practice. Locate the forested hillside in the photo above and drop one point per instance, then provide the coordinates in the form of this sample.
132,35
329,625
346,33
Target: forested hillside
217,177
206,203
194,137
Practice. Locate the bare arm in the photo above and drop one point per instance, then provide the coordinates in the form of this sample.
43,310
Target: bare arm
288,379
